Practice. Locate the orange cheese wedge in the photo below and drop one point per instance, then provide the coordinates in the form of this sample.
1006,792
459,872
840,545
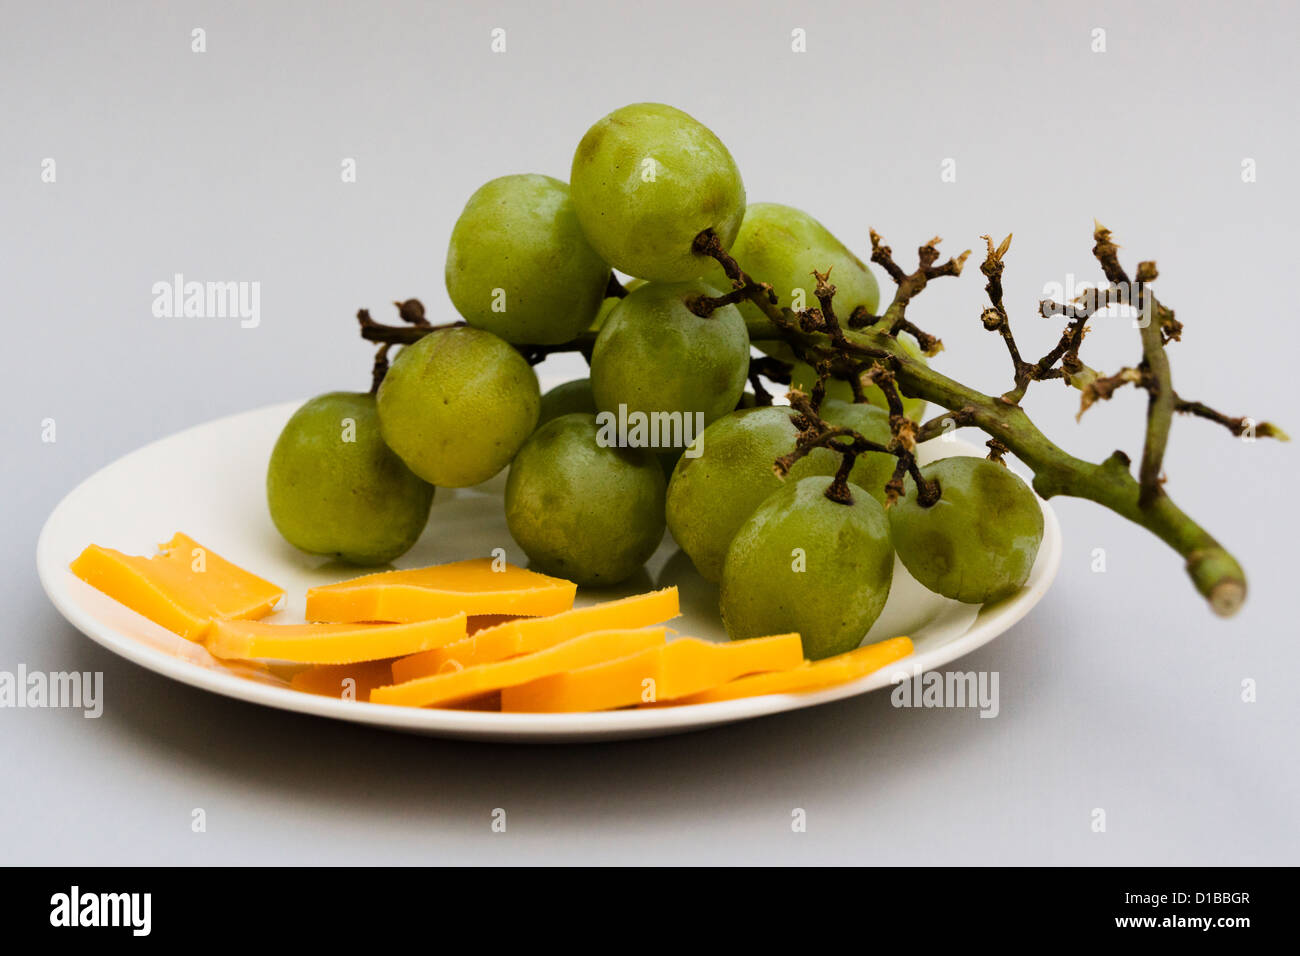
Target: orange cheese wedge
182,588
458,684
810,675
328,643
685,666
528,635
423,594
344,681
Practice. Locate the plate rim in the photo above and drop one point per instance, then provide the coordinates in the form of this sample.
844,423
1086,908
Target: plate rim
991,621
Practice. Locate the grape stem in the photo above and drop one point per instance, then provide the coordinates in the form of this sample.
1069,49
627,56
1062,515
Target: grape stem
418,327
705,305
373,331
379,369
816,337
816,432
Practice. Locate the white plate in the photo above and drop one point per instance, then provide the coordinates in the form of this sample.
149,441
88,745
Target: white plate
208,481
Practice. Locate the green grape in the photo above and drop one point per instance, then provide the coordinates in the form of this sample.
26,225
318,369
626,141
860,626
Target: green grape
782,246
747,400
566,399
646,180
335,488
873,470
457,405
803,377
519,266
654,357
581,510
712,494
979,541
804,563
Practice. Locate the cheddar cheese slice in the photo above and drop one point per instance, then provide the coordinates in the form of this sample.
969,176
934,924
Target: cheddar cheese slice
685,666
328,643
183,588
810,675
423,594
527,635
458,684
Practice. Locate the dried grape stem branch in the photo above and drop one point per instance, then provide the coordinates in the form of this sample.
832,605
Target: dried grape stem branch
408,334
815,432
417,327
1215,573
849,359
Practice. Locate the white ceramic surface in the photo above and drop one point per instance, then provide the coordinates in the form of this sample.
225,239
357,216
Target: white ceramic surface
208,481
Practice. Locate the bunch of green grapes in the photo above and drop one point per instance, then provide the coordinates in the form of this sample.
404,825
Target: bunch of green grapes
662,433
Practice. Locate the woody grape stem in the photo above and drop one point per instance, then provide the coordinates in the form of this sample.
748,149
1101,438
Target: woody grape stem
1214,572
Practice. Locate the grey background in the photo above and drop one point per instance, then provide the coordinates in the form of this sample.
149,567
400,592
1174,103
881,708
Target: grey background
1119,691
